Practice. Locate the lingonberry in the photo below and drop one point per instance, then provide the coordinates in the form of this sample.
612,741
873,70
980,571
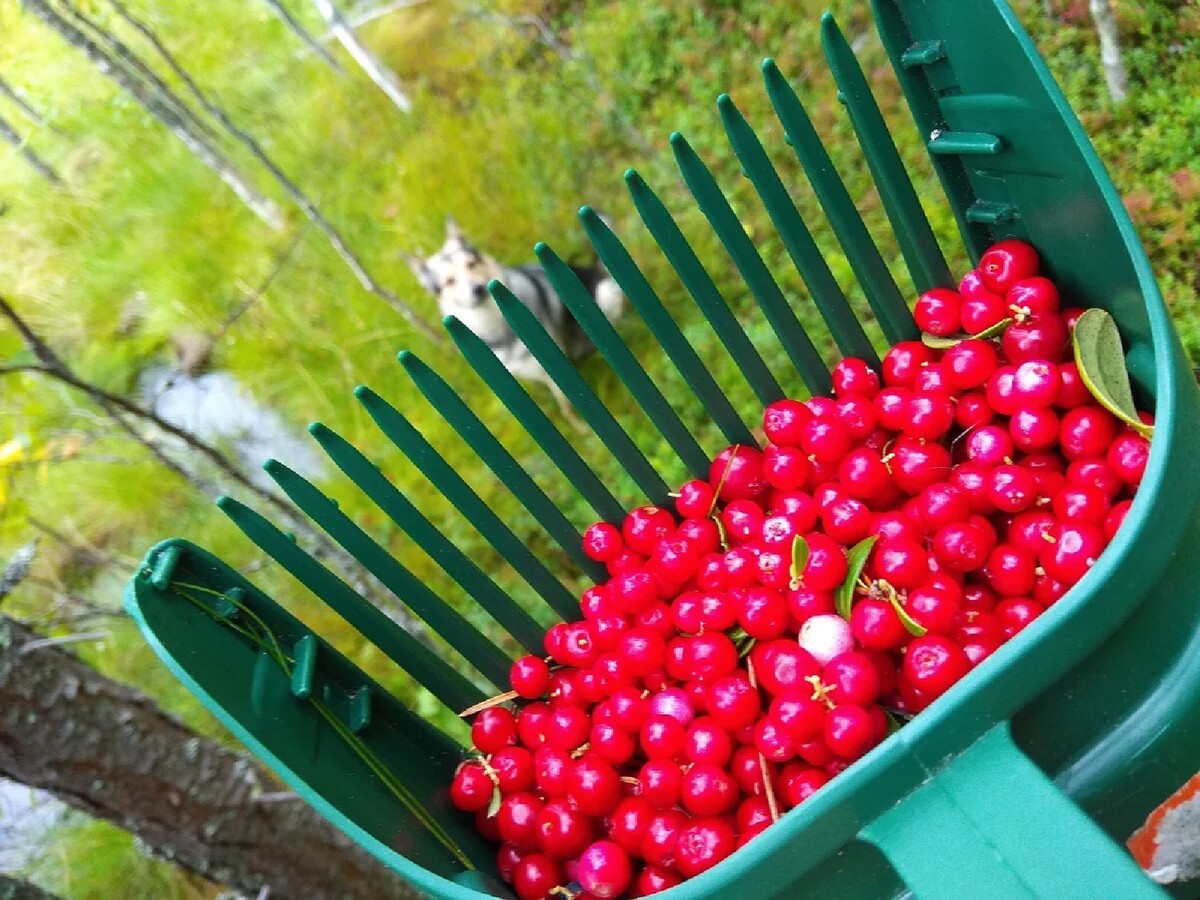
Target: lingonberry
933,379
603,542
1037,383
1095,473
743,520
1033,296
514,769
629,822
674,702
579,645
517,820
903,361
798,782
708,742
783,664
939,505
961,546
567,727
733,703
933,610
593,786
1010,570
604,870
973,410
989,446
1012,488
782,421
471,788
798,506
751,812
529,677
901,562
739,567
826,439
708,790
846,520
763,613
626,561
822,407
857,413
563,832
849,731
1034,429
1087,431
711,656
535,876
799,716
1031,530
969,364
875,625
982,310
1005,263
939,311
632,592
1127,457
897,525
929,416
1081,501
916,464
816,752
804,602
695,499
645,526
655,880
660,782
854,677
675,560
662,836
1001,391
826,567
891,407
1039,337
1114,519
494,729
551,769
1014,613
1074,392
772,741
1077,545
785,468
853,377
737,473
611,743
702,843
863,473
933,663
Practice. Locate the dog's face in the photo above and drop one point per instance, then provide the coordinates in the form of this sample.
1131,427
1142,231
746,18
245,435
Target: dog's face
457,274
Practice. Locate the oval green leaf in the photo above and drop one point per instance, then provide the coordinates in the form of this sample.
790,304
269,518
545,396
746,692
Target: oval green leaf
856,560
911,625
945,343
799,559
1101,361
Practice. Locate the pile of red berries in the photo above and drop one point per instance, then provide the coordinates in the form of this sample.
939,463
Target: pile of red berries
807,598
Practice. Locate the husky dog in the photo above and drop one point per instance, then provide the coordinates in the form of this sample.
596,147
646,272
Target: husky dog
458,275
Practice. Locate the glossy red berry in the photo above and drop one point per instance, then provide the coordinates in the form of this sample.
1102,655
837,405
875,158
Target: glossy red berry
1087,431
494,729
932,664
645,526
535,876
939,311
973,410
529,677
593,786
1077,545
982,310
969,364
1034,295
1005,263
563,832
517,820
854,377
855,678
472,788
733,703
1015,613
1127,457
929,416
1032,430
702,843
1010,570
903,361
1074,392
602,542
783,420
785,468
604,870
849,731
875,625
661,837
708,790
738,473
1037,383
916,464
1012,488
1040,337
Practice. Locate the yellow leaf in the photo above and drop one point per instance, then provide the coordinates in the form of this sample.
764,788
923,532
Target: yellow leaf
11,452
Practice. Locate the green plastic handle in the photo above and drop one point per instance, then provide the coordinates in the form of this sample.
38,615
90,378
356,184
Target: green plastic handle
992,825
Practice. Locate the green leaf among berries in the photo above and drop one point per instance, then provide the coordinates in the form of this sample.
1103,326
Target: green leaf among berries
799,560
937,342
1101,361
856,560
911,625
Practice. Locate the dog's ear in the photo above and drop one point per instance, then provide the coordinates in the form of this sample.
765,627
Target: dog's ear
453,233
421,271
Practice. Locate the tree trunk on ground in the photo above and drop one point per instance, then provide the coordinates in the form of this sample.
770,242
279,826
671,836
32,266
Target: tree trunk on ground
383,77
163,108
107,750
1110,49
9,135
12,889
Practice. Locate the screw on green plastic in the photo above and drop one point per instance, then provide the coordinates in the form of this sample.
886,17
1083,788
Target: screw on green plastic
479,651
442,476
503,465
847,331
574,470
986,212
924,258
582,306
922,53
703,291
499,605
580,393
964,143
715,206
164,568
397,644
645,300
305,655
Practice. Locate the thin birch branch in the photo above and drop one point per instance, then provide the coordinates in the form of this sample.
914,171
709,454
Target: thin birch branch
293,25
1110,49
7,90
162,108
307,206
9,135
383,77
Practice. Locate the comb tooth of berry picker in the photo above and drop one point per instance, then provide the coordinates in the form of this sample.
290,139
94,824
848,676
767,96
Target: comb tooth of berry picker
581,395
402,648
578,299
732,233
870,269
458,416
703,291
479,651
922,255
375,485
440,474
847,331
645,300
502,383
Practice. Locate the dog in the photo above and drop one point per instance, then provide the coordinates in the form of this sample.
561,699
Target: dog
458,275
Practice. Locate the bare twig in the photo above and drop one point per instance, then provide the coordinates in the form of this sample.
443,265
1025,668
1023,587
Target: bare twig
160,102
25,107
1110,49
293,25
259,292
10,136
382,77
309,208
378,12
42,643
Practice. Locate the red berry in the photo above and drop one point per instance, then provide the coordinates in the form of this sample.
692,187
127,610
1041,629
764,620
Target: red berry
733,703
602,542
1012,489
655,880
863,473
973,410
593,786
1015,613
737,473
989,446
529,677
849,731
1087,431
933,610
563,832
1041,337
471,788
494,729
853,377
1127,457
799,716
1037,383
901,562
916,465
645,526
939,311
798,782
783,664
1115,517
1034,295
517,820
535,876
902,362
1083,502
929,417
961,547
1009,570
514,769
1005,263
982,310
552,770
854,677
933,663
876,625
785,468
826,439
782,421
969,364
604,870
1034,429
1074,392
940,504
708,790
1076,548
1001,391
662,836
703,843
